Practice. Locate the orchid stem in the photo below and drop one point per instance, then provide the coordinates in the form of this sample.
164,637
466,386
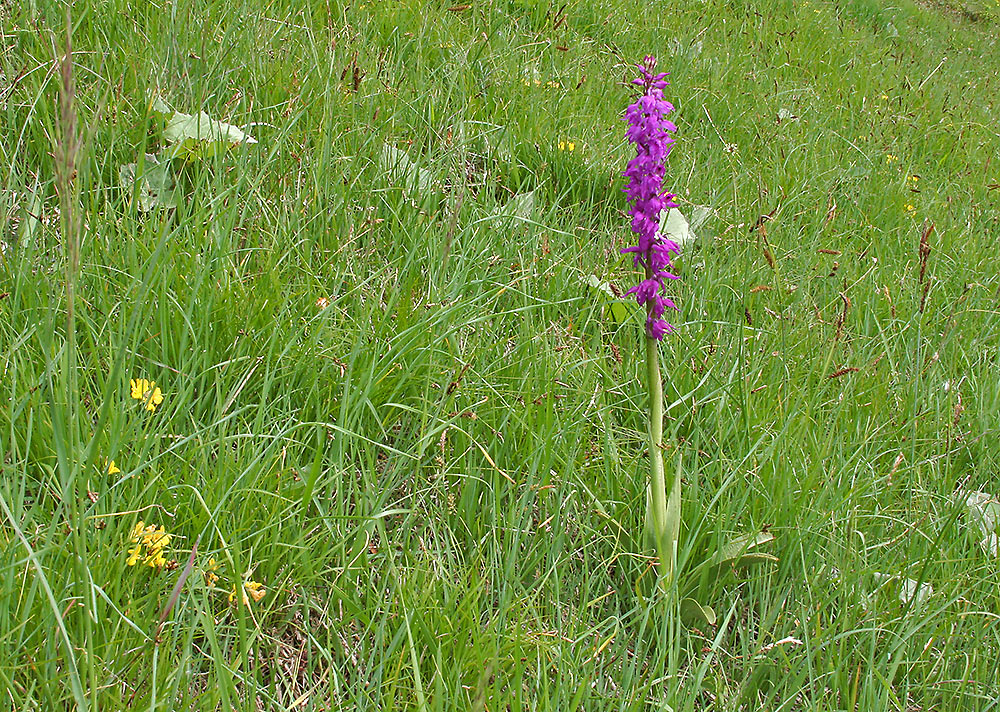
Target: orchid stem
656,499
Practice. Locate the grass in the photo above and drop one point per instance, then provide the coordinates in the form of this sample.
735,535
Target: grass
439,476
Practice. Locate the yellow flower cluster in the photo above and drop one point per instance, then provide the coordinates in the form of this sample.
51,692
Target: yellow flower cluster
538,83
910,210
891,158
147,392
210,576
154,540
255,590
567,146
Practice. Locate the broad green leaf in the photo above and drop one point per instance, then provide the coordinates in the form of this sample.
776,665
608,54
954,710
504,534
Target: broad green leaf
32,214
674,225
159,109
740,546
694,614
200,136
739,553
521,205
747,560
673,522
618,308
153,188
517,210
404,171
619,312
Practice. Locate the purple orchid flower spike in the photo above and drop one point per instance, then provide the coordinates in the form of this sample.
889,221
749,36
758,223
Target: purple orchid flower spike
649,130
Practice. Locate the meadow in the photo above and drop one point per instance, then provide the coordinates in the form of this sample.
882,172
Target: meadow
346,411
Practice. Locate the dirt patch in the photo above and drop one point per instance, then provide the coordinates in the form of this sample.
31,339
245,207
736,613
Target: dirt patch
961,11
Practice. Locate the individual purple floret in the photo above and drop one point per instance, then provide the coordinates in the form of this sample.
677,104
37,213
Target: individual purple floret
649,130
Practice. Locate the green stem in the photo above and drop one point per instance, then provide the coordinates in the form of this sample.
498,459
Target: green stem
656,498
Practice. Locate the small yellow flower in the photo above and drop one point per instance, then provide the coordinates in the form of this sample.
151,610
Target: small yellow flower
884,97
890,158
210,576
910,210
146,391
567,146
112,467
133,555
255,589
151,539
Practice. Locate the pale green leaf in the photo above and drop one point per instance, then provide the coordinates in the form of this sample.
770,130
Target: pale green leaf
153,187
618,308
200,136
674,226
694,614
404,171
159,109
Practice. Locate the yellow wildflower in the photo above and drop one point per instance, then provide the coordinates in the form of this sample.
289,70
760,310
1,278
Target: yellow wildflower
210,576
890,158
255,589
112,467
133,555
151,540
147,392
910,210
567,146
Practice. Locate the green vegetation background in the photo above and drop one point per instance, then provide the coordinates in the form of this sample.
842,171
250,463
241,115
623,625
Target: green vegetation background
392,398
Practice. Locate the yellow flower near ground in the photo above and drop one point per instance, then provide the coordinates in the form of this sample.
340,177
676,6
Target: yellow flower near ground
255,590
113,469
147,392
210,576
567,146
152,542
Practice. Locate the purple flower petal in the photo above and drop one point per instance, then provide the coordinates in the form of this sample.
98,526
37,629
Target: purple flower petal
649,130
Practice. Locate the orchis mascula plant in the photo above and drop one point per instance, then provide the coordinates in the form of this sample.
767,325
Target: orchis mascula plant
649,130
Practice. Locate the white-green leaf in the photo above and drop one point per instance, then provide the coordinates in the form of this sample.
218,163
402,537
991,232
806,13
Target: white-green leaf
521,205
153,188
200,136
909,589
674,226
693,613
741,546
404,171
595,282
983,519
619,309
159,109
